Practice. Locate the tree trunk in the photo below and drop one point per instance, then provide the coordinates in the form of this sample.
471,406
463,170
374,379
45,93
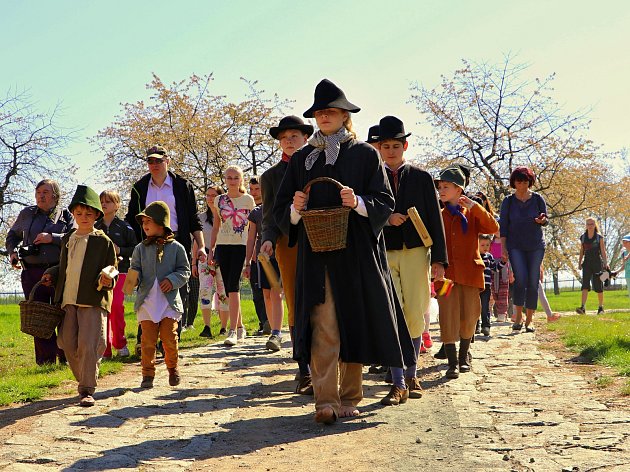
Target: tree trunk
556,285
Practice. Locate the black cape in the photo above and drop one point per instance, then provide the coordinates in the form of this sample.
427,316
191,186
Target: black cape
371,323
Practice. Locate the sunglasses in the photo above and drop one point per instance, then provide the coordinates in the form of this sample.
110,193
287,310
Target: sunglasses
155,160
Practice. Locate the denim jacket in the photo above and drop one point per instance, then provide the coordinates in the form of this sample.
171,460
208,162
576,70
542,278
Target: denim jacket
174,266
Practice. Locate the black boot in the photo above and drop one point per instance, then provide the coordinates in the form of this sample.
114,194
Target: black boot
464,358
440,354
451,354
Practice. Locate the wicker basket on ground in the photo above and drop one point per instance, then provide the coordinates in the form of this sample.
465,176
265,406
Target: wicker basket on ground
326,228
39,318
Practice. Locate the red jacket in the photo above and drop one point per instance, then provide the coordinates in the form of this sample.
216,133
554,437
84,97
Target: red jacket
465,265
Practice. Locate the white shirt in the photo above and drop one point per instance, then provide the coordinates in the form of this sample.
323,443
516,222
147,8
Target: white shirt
155,306
165,194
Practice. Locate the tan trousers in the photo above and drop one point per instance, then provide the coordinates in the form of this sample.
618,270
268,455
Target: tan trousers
287,262
410,272
83,337
459,312
335,383
167,331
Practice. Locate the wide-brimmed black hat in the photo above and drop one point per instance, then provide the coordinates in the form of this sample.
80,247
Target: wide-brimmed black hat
290,122
372,135
391,127
328,95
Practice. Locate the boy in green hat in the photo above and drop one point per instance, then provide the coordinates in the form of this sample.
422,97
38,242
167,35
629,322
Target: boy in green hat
84,291
163,268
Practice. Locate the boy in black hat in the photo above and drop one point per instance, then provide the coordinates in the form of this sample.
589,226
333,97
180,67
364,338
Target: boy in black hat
346,311
292,134
372,138
84,291
410,261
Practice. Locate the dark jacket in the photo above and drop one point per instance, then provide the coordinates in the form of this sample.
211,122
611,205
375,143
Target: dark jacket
269,184
30,222
372,328
123,236
99,254
185,204
416,189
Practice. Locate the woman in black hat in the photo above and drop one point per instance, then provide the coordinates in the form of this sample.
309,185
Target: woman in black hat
346,311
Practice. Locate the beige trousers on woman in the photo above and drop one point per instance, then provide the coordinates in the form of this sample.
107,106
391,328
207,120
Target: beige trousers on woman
335,383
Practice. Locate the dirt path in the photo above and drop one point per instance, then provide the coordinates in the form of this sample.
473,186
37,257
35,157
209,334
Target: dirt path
521,409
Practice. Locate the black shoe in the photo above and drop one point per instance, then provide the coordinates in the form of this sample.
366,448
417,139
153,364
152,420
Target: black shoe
304,386
388,377
266,328
485,331
529,329
222,332
453,367
517,327
478,328
464,358
440,354
600,310
206,332
580,310
375,369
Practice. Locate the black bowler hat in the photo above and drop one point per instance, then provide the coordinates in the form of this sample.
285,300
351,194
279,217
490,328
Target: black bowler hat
328,95
291,122
372,135
391,127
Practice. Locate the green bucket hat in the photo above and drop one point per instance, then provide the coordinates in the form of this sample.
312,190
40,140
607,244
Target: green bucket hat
84,195
457,174
158,212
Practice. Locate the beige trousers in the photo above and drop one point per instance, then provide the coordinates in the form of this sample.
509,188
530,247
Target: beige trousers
459,312
410,272
335,383
287,263
83,337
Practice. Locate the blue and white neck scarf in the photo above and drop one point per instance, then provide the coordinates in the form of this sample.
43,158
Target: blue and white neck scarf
457,210
331,145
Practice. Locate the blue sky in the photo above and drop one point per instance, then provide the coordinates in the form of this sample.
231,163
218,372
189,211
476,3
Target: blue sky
91,56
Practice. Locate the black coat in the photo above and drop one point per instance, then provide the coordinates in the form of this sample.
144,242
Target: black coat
371,324
269,184
185,204
123,236
416,189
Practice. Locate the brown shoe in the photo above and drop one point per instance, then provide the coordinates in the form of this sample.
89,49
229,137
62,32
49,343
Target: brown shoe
147,382
86,400
414,387
304,386
395,396
173,376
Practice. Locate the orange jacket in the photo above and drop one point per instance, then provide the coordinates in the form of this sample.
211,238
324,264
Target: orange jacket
465,265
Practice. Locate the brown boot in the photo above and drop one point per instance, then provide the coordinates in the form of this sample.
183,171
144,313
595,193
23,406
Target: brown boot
173,376
396,396
414,387
453,366
465,360
147,382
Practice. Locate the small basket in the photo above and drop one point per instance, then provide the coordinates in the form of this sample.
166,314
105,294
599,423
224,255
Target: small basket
39,319
326,228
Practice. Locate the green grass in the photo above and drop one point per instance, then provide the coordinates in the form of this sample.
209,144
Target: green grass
22,380
603,339
569,301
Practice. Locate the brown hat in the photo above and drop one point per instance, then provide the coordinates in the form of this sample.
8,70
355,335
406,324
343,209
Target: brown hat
156,151
159,212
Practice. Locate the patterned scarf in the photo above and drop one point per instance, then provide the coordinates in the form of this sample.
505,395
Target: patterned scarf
159,241
331,145
457,210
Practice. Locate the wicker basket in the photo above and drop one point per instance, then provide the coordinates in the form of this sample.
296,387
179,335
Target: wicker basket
326,228
39,318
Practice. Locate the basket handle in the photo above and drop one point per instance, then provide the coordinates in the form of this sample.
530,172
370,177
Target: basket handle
32,294
330,180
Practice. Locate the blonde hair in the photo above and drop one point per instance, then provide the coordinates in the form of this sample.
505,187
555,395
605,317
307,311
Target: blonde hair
237,169
111,195
347,123
590,218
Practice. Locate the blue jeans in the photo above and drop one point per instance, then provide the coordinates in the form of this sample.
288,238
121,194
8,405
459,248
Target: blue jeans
526,267
485,307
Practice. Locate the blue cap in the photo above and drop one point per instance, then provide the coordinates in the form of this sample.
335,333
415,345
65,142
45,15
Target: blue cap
626,237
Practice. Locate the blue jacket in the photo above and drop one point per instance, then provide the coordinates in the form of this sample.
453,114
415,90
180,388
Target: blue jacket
174,267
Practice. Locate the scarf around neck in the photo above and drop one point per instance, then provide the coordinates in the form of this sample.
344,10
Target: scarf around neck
331,145
159,242
457,210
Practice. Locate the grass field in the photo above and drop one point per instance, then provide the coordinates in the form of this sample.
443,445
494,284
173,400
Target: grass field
22,380
601,339
569,301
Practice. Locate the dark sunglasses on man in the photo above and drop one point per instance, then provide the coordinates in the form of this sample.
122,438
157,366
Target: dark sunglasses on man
155,160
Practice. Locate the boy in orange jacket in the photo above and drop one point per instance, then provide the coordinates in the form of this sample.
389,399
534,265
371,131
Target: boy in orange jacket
463,220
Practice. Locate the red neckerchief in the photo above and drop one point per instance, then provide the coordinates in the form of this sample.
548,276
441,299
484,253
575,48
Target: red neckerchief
285,157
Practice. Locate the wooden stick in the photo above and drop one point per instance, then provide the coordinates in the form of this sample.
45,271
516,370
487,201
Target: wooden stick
419,225
270,272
